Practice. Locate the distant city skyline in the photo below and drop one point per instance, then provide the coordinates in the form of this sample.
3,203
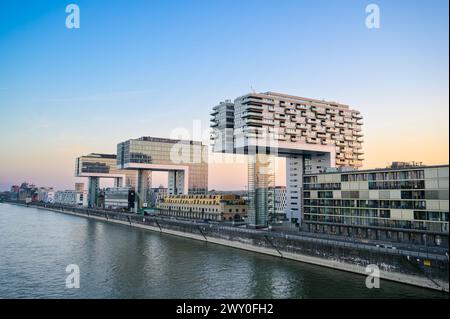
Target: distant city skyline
129,71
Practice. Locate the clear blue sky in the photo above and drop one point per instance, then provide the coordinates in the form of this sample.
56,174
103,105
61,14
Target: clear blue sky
145,67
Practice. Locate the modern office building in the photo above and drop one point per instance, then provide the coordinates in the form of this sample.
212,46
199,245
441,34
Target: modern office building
185,161
280,203
311,134
403,203
72,198
96,166
210,207
119,198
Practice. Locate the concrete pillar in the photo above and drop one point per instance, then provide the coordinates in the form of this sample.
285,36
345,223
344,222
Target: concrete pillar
93,191
144,182
261,183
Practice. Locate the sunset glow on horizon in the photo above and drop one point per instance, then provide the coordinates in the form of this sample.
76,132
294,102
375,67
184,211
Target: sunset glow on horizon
129,72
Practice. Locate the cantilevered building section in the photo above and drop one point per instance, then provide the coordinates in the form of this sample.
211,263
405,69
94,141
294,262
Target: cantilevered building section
312,134
96,166
185,162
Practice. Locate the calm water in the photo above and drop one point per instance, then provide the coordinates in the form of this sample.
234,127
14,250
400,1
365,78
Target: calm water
117,261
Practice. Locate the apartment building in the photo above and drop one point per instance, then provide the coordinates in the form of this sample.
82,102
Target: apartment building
402,203
210,207
311,134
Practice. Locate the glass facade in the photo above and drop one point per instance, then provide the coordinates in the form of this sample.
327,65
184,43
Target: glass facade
161,151
409,199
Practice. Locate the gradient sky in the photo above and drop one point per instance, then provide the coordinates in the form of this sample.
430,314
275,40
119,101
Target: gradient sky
139,68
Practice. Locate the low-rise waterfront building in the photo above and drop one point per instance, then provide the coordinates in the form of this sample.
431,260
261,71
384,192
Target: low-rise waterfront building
119,198
43,193
210,207
156,194
28,192
402,203
71,197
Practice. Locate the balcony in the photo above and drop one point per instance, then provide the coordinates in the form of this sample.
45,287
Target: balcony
312,140
355,163
338,138
279,116
321,110
292,131
332,130
280,137
291,111
250,114
302,107
348,138
268,122
253,107
331,111
320,129
253,122
308,134
310,115
357,116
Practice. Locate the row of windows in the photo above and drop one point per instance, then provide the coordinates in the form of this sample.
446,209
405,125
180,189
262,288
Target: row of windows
202,209
374,213
374,222
419,194
381,176
416,184
348,212
410,184
323,186
393,204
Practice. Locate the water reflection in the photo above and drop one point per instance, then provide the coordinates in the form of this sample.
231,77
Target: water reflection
117,261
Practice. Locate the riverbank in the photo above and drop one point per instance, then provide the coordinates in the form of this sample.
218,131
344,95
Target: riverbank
393,267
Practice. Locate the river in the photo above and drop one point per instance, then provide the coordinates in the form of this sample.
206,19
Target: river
117,261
